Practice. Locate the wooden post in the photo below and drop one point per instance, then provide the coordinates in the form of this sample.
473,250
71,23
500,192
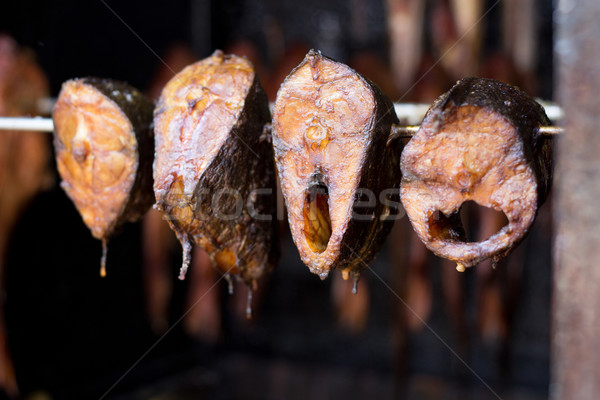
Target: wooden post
576,303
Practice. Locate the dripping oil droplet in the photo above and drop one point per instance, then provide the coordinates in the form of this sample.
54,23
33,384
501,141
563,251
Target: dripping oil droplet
187,256
229,284
249,303
355,285
103,259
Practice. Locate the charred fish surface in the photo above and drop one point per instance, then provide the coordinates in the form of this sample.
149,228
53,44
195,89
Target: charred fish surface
104,151
337,173
479,141
214,174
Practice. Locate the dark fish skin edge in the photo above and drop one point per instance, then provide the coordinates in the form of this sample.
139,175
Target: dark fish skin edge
363,239
139,110
522,111
245,162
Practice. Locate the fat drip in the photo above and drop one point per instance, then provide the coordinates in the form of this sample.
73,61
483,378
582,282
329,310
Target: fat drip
212,170
103,141
330,130
478,142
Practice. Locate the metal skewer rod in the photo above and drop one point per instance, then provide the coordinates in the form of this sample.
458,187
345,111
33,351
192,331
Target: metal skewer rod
26,124
409,113
409,130
551,130
404,131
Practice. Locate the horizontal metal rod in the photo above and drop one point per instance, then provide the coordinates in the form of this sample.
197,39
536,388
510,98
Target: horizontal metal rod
401,131
26,124
410,114
551,130
46,125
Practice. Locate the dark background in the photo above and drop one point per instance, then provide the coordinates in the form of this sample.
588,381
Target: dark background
74,335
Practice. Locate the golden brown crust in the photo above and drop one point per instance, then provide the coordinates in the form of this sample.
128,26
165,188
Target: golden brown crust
102,137
479,142
330,131
205,97
211,161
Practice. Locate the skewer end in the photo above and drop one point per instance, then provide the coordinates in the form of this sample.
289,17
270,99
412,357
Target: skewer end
551,130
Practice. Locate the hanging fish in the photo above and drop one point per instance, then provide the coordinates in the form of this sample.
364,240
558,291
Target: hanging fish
338,173
480,141
103,140
214,175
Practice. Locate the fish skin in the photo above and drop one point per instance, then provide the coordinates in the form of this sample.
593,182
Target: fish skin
479,141
136,194
330,121
211,145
